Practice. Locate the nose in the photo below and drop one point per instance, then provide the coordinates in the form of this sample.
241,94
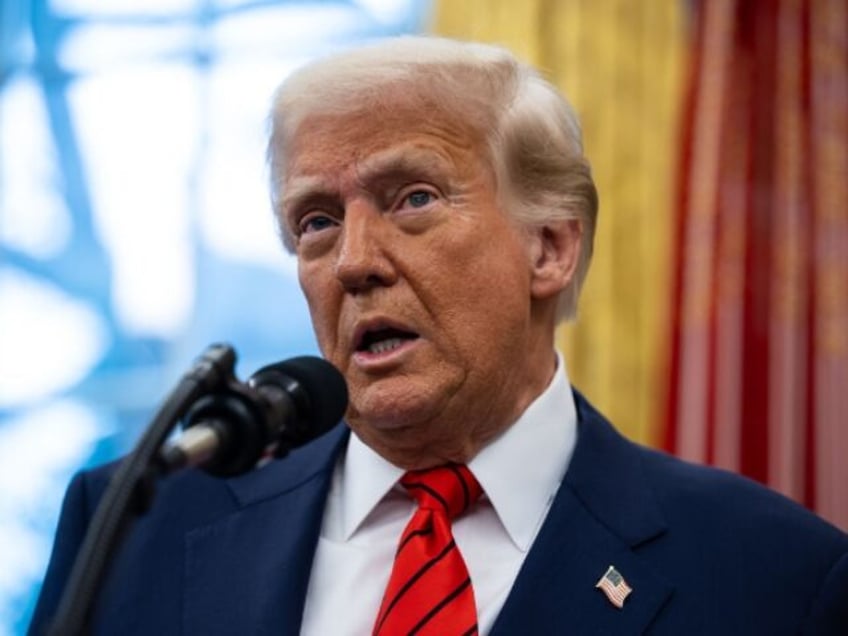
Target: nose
364,259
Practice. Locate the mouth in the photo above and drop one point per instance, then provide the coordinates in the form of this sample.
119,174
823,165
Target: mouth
382,339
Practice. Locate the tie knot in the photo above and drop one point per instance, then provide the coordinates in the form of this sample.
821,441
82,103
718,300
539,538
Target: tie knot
451,488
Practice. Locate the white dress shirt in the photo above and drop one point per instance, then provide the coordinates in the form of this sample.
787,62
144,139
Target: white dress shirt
366,512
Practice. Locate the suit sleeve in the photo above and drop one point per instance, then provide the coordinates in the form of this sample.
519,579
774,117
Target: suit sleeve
829,612
73,522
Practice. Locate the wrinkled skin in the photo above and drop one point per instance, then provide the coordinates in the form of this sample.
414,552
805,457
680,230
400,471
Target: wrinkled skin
397,226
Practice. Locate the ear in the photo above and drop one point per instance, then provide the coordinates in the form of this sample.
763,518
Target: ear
554,252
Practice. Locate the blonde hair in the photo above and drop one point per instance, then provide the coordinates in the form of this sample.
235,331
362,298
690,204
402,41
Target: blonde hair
531,132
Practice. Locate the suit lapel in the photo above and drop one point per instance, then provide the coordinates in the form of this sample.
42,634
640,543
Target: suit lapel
251,568
602,514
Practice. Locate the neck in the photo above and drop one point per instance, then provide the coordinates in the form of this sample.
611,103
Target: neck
477,424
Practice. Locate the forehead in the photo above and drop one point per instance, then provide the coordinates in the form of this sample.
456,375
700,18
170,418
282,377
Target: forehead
382,139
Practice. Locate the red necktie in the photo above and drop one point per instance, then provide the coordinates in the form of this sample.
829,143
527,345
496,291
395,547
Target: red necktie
429,591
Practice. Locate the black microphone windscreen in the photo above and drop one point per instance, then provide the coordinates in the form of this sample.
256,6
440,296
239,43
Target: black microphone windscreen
324,386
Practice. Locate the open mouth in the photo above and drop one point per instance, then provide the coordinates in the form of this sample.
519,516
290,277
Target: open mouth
384,340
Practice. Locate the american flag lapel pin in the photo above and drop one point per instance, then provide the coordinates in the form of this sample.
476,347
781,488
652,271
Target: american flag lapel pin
613,585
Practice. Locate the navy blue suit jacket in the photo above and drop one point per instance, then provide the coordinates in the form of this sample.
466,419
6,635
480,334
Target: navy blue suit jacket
706,552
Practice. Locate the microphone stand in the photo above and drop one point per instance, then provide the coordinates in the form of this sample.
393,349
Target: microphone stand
131,489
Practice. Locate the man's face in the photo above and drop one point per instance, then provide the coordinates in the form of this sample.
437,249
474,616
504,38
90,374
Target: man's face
419,287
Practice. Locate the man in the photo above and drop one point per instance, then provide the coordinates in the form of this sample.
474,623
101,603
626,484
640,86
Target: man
442,213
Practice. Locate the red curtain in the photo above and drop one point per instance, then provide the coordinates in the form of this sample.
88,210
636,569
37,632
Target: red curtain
759,368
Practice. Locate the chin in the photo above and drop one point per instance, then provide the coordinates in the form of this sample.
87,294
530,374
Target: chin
410,401
389,417
382,409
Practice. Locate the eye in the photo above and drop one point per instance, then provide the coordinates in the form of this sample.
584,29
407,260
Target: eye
315,223
419,198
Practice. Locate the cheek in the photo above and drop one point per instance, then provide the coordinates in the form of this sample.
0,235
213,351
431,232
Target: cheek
483,307
489,274
323,303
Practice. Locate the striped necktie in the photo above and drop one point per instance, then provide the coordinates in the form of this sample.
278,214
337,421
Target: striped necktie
429,591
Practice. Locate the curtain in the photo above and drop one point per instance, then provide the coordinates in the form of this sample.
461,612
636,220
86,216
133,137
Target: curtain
759,370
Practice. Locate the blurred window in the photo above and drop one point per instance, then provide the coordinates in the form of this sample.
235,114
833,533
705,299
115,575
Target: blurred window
135,227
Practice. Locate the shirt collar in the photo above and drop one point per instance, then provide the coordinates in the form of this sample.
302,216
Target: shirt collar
366,478
520,471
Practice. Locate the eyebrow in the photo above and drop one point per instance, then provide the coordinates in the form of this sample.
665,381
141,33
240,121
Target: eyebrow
404,160
409,160
302,188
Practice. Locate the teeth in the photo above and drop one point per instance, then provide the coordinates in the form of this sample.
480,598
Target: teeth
385,345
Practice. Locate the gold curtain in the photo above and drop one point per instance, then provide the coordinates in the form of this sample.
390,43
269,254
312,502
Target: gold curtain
621,64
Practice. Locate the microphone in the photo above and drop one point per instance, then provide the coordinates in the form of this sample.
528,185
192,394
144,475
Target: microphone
280,407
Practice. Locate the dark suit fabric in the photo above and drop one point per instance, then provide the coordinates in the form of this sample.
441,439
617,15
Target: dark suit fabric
706,552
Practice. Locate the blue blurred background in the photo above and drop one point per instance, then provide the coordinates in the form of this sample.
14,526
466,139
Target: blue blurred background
135,227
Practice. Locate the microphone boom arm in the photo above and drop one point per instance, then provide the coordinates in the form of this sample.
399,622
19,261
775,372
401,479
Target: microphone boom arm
130,489
229,427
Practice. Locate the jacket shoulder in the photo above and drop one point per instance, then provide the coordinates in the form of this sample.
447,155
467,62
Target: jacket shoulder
731,547
148,567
